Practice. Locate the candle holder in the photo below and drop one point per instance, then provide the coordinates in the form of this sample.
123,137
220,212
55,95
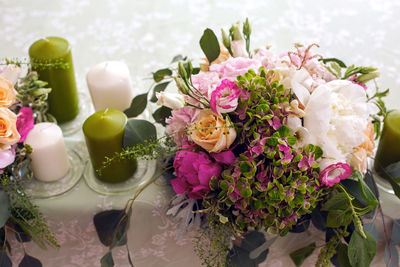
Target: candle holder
145,171
71,127
393,170
38,189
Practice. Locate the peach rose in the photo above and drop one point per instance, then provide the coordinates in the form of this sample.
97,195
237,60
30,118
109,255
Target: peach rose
223,56
363,151
7,92
212,132
8,129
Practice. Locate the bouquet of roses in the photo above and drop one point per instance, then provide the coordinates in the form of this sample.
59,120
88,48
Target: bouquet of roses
23,101
266,142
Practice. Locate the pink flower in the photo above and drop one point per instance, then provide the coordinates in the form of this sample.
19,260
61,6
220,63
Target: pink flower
235,66
352,79
178,122
226,157
224,98
25,122
206,82
7,157
194,171
334,173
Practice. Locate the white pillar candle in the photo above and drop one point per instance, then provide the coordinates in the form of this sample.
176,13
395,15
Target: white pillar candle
110,85
49,156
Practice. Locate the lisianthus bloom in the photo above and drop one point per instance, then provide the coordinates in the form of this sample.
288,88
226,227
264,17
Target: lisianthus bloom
194,171
212,132
239,48
170,100
334,173
25,122
336,115
235,66
224,98
7,92
7,157
8,129
179,121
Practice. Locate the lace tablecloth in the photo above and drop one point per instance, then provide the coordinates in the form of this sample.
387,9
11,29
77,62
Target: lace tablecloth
146,35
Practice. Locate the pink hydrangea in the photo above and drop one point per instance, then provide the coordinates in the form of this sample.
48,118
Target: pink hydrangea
178,122
224,98
235,66
334,173
194,171
25,122
206,82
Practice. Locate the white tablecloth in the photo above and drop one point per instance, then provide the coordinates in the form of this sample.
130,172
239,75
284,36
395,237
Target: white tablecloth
146,35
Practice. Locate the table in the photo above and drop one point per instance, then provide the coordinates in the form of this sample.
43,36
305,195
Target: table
146,35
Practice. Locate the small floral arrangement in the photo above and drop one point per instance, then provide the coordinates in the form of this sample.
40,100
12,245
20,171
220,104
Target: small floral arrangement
23,102
269,142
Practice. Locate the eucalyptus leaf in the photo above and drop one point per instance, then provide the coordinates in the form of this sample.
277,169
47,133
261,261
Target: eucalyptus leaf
391,255
29,261
177,58
111,227
395,186
396,232
4,208
5,260
210,45
161,114
371,228
138,105
159,75
298,256
326,60
107,260
366,192
137,131
158,88
318,218
361,250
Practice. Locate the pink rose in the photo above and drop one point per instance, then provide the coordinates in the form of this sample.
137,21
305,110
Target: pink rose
235,66
334,173
7,157
178,123
224,98
194,171
25,122
206,82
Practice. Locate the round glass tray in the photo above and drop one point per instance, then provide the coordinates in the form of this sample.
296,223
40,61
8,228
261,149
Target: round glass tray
85,110
144,172
39,189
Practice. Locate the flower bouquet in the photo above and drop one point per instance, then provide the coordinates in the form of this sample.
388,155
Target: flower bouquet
22,104
267,142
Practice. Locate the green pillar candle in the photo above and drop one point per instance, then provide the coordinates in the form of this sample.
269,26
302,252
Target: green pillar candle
63,99
389,145
104,133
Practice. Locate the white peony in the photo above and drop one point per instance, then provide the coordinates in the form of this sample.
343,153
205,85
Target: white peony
336,116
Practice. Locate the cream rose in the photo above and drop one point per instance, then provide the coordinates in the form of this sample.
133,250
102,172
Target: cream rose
8,129
212,132
7,92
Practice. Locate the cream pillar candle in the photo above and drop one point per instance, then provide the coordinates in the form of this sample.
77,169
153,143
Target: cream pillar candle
110,85
49,156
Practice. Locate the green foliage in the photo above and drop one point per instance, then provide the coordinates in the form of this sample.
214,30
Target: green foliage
210,45
4,208
158,88
138,105
137,131
298,256
29,261
361,249
159,75
161,114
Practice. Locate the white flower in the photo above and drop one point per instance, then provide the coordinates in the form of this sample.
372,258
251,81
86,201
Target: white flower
239,48
336,116
11,73
170,100
297,130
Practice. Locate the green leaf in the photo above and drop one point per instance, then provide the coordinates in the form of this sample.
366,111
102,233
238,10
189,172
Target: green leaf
161,114
4,208
367,194
341,64
361,250
111,227
337,218
138,105
317,152
159,75
343,257
391,255
158,88
284,131
298,256
337,202
137,131
210,45
5,260
177,58
29,261
107,260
